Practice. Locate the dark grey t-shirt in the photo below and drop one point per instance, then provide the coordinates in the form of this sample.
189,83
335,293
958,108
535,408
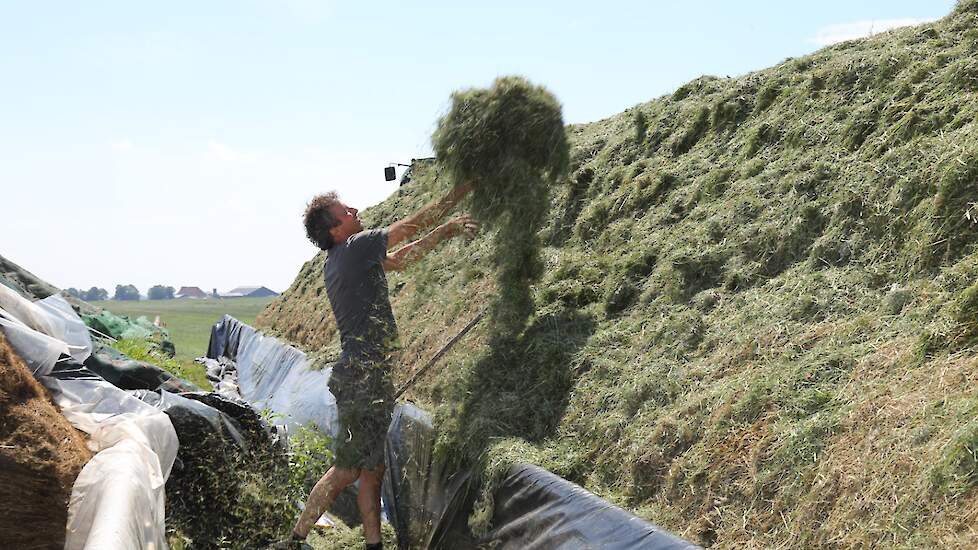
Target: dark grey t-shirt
357,289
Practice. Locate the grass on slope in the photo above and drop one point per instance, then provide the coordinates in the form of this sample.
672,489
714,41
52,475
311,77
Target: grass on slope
757,322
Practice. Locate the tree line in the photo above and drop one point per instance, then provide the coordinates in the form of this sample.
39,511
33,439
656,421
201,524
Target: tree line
122,292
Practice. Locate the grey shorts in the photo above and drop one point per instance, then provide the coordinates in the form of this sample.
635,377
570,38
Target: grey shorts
365,403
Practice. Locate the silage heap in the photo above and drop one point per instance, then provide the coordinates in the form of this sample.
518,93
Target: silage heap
756,325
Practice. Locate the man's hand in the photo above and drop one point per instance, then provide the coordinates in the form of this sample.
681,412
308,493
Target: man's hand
409,253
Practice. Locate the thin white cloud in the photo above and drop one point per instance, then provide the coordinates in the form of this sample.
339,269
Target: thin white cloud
840,32
224,152
121,145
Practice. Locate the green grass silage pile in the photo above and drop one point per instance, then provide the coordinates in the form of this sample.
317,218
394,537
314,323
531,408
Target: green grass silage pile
755,325
509,141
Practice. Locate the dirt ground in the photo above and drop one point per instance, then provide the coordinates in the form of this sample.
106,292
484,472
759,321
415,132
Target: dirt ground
40,457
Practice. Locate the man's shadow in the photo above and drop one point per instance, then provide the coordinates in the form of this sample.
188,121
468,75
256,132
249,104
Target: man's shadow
521,387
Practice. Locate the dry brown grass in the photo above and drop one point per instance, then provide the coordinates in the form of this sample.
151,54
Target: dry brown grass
40,457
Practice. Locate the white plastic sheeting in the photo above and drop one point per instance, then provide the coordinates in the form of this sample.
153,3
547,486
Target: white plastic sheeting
276,376
26,311
117,501
110,415
71,329
38,350
52,316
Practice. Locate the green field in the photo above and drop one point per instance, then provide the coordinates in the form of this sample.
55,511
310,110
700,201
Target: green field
189,321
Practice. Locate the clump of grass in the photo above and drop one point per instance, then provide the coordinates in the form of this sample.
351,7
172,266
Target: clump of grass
954,224
641,126
965,312
618,295
957,472
763,135
767,94
220,495
509,140
863,123
698,124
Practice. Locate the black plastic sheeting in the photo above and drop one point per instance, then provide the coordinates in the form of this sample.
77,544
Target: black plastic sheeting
429,506
225,337
129,374
69,369
535,509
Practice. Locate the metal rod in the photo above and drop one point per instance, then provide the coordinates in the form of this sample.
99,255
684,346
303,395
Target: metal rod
444,349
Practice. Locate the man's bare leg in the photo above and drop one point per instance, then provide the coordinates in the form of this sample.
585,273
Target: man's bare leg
322,497
368,501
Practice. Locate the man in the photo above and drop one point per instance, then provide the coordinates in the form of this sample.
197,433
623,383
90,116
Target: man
356,285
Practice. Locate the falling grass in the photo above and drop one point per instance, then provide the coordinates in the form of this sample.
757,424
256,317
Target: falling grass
509,140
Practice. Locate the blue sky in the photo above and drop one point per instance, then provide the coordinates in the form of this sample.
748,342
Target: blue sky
177,142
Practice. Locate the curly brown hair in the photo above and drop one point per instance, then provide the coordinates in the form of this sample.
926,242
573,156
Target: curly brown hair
318,220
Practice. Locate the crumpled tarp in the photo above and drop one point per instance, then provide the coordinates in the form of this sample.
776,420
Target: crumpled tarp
222,373
39,351
275,376
120,326
52,317
117,502
129,374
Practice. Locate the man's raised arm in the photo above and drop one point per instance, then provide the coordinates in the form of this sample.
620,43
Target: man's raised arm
403,230
409,253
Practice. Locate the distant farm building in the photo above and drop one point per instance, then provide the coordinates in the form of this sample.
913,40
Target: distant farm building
249,292
190,292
